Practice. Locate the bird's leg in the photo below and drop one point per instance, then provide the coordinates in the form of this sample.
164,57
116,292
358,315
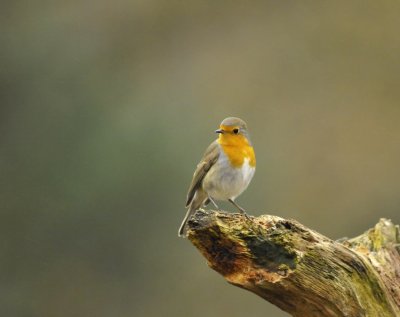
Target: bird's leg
242,211
213,202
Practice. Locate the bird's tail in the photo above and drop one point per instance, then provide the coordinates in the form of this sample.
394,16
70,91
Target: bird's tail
182,229
198,200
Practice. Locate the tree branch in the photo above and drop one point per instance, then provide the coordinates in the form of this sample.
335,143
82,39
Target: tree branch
300,270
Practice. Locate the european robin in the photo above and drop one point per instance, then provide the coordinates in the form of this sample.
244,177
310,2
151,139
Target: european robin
224,172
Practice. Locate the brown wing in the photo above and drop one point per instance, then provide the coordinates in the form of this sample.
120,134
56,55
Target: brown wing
209,158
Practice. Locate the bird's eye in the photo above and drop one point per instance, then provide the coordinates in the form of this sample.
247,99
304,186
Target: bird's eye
236,131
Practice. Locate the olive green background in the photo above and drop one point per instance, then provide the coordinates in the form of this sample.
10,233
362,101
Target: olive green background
107,106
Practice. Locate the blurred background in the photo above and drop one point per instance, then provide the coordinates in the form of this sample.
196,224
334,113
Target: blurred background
106,108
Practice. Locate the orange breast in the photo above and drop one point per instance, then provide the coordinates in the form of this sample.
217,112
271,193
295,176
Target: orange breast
237,148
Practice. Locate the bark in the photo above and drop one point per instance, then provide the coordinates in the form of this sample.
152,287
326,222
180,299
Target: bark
301,271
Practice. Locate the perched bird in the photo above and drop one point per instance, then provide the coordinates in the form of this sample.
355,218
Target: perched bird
224,172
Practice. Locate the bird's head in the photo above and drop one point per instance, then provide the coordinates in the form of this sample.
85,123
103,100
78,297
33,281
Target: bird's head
233,130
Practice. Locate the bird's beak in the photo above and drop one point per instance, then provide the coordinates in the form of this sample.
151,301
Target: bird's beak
219,131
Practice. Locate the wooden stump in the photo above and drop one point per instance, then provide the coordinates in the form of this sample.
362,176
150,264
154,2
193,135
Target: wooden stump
301,271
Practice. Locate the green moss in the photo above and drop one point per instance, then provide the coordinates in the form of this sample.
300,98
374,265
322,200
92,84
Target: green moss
272,251
370,293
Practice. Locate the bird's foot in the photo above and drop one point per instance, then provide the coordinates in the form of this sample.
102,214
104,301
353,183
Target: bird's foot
241,210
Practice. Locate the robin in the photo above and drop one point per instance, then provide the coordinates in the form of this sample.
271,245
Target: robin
224,172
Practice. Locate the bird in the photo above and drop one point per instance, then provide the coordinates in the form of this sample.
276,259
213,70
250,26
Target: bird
224,172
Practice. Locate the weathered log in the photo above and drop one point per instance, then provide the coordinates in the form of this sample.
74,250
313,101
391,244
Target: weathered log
301,271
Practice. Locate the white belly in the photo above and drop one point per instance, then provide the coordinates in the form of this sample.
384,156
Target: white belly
224,182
